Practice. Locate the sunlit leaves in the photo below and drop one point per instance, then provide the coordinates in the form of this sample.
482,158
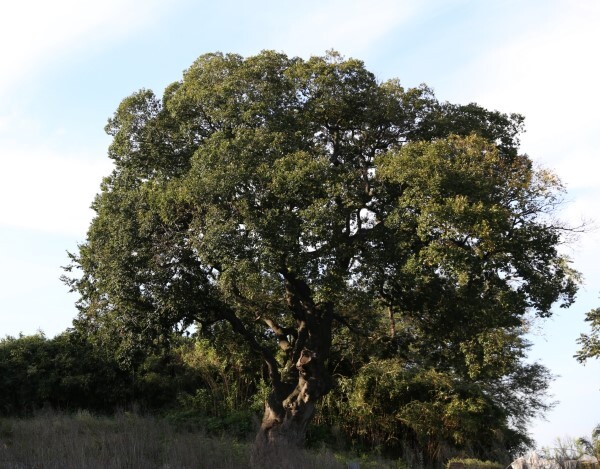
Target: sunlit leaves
590,343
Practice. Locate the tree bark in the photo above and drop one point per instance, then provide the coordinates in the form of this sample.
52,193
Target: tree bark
291,403
287,414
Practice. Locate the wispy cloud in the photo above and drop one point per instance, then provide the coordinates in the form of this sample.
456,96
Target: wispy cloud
357,25
44,188
34,32
45,191
550,74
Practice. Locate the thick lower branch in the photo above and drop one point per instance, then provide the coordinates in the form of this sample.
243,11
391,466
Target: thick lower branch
281,333
314,322
239,327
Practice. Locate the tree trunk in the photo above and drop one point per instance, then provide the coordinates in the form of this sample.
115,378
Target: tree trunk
287,414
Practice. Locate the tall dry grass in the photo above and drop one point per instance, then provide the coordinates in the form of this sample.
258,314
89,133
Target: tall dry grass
82,441
55,440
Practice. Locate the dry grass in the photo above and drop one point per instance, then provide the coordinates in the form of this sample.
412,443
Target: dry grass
127,441
82,441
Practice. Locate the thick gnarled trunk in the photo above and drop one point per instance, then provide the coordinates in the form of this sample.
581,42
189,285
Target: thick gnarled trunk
295,392
287,414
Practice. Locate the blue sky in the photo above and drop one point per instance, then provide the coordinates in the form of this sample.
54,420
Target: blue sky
66,64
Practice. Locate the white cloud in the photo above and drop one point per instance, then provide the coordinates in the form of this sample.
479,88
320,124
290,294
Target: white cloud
45,191
550,74
34,32
578,161
355,24
43,188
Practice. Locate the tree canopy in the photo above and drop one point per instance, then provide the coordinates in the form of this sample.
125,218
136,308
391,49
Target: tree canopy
312,208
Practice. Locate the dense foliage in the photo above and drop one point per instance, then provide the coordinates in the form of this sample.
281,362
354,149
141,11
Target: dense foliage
64,372
69,373
350,235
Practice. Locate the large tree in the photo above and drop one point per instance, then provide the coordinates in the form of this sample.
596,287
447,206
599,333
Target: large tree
291,198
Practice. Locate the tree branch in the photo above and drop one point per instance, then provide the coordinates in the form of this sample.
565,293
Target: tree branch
281,333
351,328
239,327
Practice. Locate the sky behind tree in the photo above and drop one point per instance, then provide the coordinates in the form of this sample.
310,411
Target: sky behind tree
66,65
